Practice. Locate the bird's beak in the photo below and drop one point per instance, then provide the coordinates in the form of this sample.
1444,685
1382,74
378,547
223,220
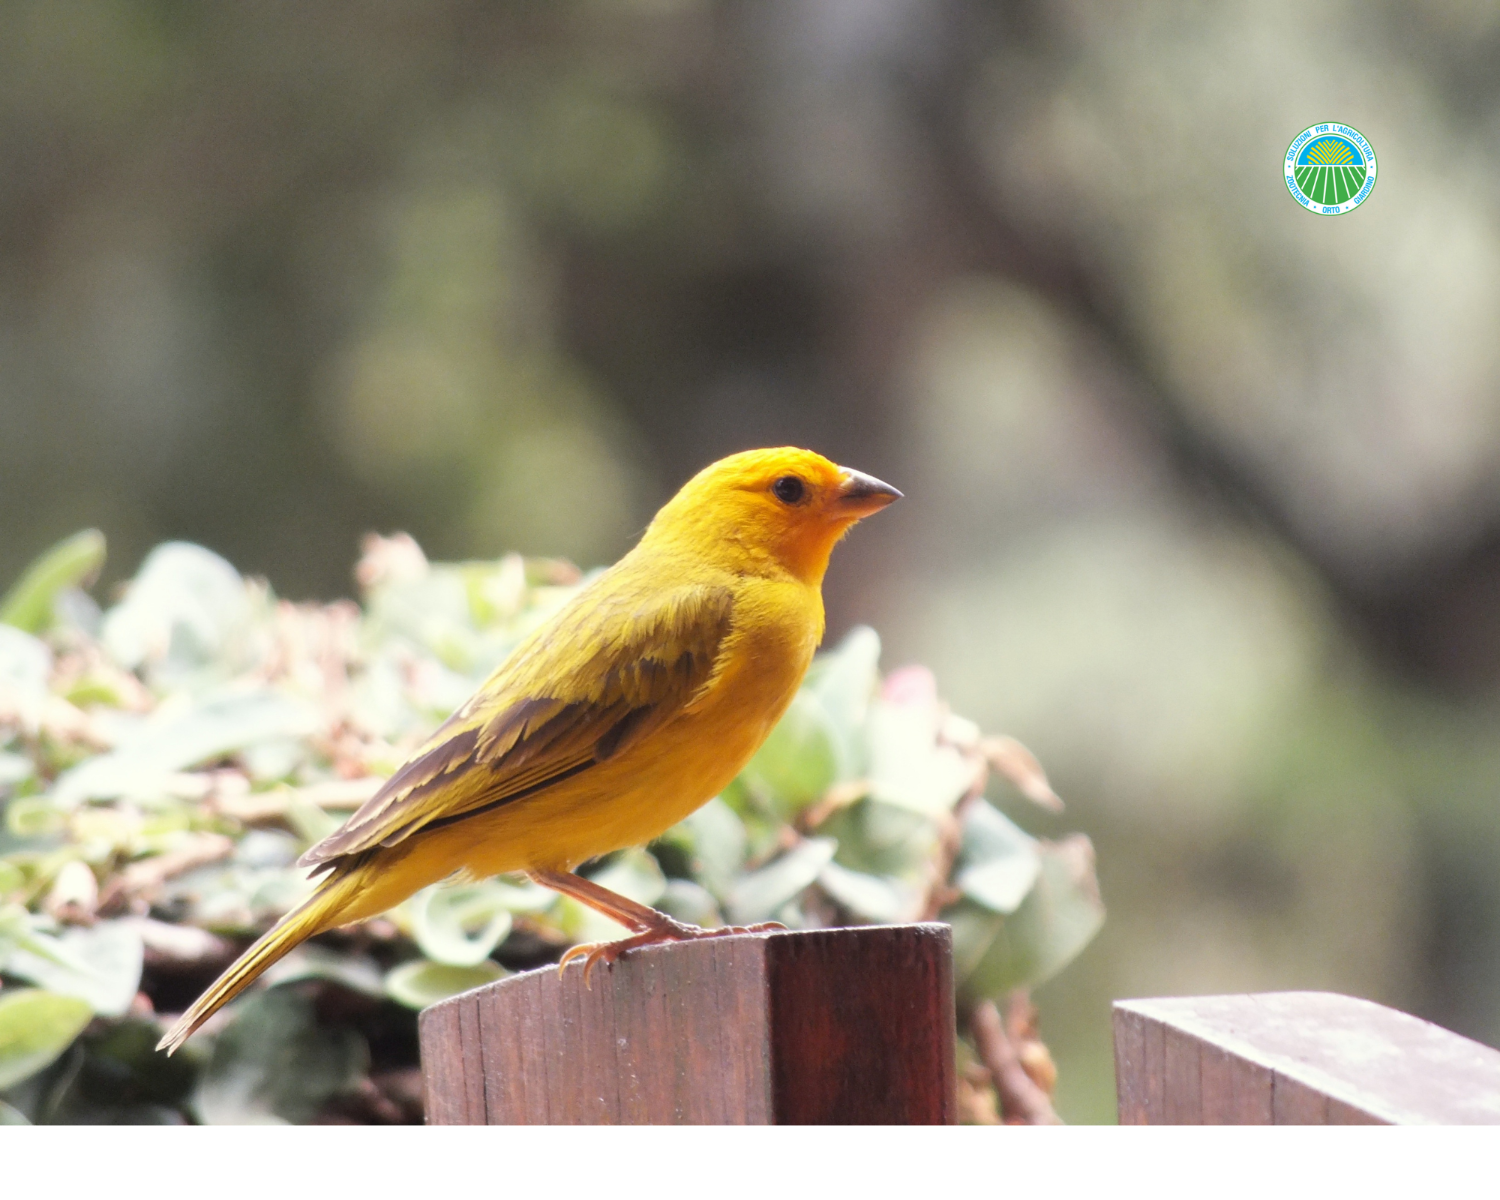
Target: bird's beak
859,494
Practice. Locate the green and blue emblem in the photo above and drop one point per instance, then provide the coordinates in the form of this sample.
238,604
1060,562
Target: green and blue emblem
1330,169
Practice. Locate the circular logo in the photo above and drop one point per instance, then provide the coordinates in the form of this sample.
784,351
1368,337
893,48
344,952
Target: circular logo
1330,169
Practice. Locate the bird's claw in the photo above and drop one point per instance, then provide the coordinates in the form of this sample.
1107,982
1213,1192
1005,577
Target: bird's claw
677,931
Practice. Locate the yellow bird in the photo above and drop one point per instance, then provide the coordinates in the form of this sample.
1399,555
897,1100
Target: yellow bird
634,705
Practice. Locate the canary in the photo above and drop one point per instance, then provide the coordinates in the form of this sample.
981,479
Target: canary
635,704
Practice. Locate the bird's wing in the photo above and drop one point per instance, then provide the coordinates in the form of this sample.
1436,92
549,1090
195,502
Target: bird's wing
610,668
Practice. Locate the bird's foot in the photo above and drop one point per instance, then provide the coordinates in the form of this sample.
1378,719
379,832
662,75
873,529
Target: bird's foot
668,930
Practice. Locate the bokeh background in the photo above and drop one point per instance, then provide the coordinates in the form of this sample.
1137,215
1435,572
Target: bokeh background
1203,490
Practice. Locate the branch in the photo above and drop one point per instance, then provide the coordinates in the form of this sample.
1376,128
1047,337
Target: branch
142,879
1022,1101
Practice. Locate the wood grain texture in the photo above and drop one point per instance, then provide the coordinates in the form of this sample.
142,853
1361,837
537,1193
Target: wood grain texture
1296,1058
849,1026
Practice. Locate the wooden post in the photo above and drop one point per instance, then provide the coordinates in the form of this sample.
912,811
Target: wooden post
1296,1058
832,1026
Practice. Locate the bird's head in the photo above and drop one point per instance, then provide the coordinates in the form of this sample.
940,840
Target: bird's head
783,507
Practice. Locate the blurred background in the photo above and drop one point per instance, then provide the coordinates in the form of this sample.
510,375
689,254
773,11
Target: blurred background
1202,500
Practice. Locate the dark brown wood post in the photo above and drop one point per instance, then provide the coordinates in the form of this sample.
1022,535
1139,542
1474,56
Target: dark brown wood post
1296,1058
831,1026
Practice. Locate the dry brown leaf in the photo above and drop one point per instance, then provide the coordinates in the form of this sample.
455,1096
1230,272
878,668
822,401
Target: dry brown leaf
181,943
1019,765
976,1102
142,878
336,794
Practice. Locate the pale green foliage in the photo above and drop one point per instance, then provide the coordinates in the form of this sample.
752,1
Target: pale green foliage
163,763
35,1027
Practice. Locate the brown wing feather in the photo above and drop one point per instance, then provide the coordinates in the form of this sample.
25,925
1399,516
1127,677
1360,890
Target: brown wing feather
641,664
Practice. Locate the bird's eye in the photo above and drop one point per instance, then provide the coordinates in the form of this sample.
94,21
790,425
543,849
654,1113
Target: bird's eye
789,489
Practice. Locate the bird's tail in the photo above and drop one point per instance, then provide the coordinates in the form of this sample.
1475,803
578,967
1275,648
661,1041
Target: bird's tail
318,912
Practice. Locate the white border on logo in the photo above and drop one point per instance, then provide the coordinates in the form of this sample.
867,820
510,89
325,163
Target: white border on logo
1307,202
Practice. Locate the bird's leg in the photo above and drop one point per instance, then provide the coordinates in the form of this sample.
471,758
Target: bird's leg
648,926
636,917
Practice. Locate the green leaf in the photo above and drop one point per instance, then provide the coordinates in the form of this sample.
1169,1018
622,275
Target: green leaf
35,1027
690,902
523,897
432,610
998,862
176,738
24,930
274,1063
15,768
276,758
25,667
459,924
104,969
996,954
800,759
182,613
882,839
34,817
1000,885
633,873
844,682
988,834
908,767
72,562
755,897
496,590
717,841
873,897
311,823
418,983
